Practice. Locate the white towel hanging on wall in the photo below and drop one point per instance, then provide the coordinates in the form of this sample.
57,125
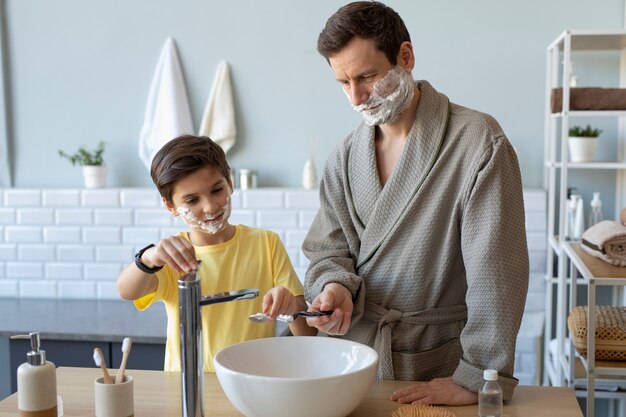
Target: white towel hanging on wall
218,120
167,112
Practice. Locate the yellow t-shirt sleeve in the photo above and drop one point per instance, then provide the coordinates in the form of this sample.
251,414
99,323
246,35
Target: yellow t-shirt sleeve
165,278
284,274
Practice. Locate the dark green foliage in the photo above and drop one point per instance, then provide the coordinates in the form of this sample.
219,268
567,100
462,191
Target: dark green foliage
85,157
586,132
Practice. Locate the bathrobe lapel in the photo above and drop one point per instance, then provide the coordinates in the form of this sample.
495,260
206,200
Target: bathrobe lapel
380,208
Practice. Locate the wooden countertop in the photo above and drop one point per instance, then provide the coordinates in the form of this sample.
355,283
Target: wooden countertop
157,393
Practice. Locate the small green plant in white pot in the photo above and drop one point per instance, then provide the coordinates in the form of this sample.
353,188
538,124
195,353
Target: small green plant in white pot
94,171
582,143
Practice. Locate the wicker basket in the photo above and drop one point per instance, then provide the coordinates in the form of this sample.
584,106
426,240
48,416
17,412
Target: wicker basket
610,332
422,411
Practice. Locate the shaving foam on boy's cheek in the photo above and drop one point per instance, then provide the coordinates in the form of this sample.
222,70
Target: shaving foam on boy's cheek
391,95
204,225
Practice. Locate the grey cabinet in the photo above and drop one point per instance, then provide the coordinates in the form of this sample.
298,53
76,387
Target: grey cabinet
142,356
80,354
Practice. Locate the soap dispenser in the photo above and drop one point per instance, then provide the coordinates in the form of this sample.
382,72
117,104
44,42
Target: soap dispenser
36,382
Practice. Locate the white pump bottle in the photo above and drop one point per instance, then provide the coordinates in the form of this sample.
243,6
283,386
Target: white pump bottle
36,382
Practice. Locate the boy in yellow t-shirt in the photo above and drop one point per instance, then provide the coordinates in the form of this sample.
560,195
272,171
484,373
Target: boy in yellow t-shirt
193,178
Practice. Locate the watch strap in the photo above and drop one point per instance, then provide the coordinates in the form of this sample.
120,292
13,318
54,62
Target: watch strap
145,268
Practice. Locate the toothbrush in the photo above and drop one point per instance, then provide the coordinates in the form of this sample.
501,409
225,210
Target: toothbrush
98,358
126,344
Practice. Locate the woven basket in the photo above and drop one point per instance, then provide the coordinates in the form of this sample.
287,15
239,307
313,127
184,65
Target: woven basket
610,332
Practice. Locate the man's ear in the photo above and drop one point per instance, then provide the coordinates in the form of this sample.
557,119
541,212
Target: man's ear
170,207
406,57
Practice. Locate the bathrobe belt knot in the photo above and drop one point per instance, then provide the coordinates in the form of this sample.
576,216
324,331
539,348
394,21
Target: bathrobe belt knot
385,317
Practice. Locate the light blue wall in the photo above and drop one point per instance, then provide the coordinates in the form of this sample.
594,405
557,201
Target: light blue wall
79,72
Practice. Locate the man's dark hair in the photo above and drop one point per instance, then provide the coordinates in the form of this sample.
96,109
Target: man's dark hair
183,155
367,20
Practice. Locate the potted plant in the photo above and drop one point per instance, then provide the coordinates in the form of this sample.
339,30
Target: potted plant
94,171
582,143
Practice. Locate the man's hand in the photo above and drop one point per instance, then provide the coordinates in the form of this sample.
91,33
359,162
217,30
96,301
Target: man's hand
334,297
442,391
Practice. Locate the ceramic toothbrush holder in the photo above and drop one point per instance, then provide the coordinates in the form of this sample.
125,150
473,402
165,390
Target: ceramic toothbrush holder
115,400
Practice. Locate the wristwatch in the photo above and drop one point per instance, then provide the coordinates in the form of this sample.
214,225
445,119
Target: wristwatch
145,268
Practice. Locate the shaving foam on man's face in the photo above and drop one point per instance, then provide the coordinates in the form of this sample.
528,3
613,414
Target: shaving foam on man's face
390,97
211,223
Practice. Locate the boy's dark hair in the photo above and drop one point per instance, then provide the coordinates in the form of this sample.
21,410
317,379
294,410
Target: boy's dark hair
367,20
183,155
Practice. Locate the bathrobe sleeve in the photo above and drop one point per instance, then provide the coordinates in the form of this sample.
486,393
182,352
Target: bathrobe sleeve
332,242
495,256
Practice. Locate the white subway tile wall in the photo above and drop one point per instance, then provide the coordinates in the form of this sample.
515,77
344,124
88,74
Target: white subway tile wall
77,241
264,200
8,289
7,215
61,198
38,289
77,289
8,252
73,216
73,243
22,198
64,271
35,216
114,217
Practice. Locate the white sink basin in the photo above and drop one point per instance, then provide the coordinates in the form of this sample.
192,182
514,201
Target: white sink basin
296,376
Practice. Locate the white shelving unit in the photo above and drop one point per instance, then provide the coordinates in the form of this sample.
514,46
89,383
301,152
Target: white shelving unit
595,272
559,53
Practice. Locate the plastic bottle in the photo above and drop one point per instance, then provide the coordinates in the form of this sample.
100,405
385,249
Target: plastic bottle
579,222
595,216
572,203
490,395
36,381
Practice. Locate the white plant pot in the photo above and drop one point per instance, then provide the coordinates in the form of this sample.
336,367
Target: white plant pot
95,176
582,149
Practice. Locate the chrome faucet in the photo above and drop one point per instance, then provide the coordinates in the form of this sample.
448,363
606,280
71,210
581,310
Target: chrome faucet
190,301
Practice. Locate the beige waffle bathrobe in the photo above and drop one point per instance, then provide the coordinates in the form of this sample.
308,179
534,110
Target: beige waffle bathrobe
436,260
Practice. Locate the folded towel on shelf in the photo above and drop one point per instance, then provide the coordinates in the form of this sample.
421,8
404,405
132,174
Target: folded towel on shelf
590,98
167,112
606,240
218,121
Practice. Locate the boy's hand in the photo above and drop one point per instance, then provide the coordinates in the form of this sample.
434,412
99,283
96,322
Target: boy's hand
176,251
279,300
334,297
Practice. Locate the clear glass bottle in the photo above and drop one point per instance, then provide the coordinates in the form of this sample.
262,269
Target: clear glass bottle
595,215
490,395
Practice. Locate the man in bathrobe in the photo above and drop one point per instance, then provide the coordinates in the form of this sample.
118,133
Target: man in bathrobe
419,245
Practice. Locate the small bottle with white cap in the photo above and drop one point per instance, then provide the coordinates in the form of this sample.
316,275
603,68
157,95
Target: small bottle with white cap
595,216
490,395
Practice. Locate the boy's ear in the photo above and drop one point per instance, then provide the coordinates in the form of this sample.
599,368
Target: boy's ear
170,207
230,183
